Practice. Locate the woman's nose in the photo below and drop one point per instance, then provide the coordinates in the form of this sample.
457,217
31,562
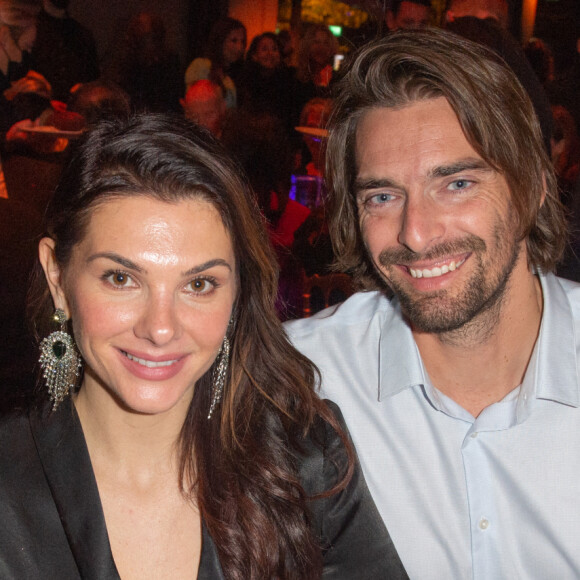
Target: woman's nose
158,322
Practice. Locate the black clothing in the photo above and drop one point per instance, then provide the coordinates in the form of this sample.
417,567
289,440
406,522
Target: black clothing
64,53
53,526
272,92
16,71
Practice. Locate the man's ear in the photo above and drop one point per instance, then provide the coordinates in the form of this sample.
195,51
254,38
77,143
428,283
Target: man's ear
53,274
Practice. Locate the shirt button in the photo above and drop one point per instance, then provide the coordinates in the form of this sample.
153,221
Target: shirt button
483,524
474,434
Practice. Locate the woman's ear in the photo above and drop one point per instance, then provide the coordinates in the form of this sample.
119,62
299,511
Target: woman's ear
52,271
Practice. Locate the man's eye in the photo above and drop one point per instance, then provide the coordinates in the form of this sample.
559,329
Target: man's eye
380,198
459,184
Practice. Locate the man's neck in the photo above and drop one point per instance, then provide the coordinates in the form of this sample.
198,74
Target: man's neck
480,364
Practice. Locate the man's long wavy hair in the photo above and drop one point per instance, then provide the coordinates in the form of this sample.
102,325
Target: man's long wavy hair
494,112
240,467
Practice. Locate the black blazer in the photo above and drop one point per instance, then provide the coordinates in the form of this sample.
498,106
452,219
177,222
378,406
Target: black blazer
53,528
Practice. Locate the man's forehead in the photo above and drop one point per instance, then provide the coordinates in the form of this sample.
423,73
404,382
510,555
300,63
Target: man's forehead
420,135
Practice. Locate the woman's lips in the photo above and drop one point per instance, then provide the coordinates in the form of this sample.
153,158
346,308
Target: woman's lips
153,368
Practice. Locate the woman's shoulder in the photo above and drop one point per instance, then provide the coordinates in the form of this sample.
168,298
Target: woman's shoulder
323,457
354,539
14,427
18,451
19,461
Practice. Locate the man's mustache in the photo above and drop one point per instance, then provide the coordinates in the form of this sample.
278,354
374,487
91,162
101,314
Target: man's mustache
404,255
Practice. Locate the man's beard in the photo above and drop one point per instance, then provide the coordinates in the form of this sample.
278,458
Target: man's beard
439,312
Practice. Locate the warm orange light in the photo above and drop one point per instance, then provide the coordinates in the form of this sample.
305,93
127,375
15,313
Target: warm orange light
258,15
528,19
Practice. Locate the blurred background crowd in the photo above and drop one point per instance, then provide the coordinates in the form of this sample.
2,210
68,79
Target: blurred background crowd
259,76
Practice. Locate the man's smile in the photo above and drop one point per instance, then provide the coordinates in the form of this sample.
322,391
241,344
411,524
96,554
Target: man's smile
437,271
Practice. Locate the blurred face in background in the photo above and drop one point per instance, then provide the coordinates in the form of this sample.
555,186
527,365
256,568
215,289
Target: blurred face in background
234,46
322,49
205,105
410,16
267,54
18,14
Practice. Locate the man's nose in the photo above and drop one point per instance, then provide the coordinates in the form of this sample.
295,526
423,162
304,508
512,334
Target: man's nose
421,224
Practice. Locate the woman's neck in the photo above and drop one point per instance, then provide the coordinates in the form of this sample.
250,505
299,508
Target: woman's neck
140,446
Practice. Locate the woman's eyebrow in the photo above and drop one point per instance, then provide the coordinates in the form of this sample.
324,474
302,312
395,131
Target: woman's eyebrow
116,258
207,265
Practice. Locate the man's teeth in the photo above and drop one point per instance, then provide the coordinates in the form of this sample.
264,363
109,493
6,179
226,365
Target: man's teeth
435,272
149,363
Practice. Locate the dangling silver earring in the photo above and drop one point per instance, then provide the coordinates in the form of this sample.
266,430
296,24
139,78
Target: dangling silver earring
60,361
219,375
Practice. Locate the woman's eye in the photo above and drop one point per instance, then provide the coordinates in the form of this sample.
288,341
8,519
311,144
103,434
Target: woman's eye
119,279
201,285
459,184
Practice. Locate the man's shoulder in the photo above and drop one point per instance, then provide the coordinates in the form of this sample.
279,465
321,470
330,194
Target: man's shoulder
360,309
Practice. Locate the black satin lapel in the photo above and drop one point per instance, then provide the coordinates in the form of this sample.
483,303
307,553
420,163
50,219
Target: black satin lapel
209,565
65,459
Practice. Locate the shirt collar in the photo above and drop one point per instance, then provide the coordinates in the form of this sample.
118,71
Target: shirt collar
556,365
552,371
400,365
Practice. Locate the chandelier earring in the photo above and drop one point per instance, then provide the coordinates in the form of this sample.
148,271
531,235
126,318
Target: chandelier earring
60,361
219,375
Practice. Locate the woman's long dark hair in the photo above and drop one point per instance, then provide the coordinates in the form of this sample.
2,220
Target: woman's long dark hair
240,466
214,49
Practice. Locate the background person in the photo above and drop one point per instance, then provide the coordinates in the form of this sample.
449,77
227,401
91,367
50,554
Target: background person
266,86
204,104
409,14
223,59
145,67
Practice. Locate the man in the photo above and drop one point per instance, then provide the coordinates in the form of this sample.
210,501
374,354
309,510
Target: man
205,104
461,392
409,14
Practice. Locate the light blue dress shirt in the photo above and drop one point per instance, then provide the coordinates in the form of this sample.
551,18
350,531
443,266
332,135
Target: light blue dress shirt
497,497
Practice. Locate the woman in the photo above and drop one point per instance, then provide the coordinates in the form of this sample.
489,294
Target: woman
223,61
266,86
195,443
315,57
